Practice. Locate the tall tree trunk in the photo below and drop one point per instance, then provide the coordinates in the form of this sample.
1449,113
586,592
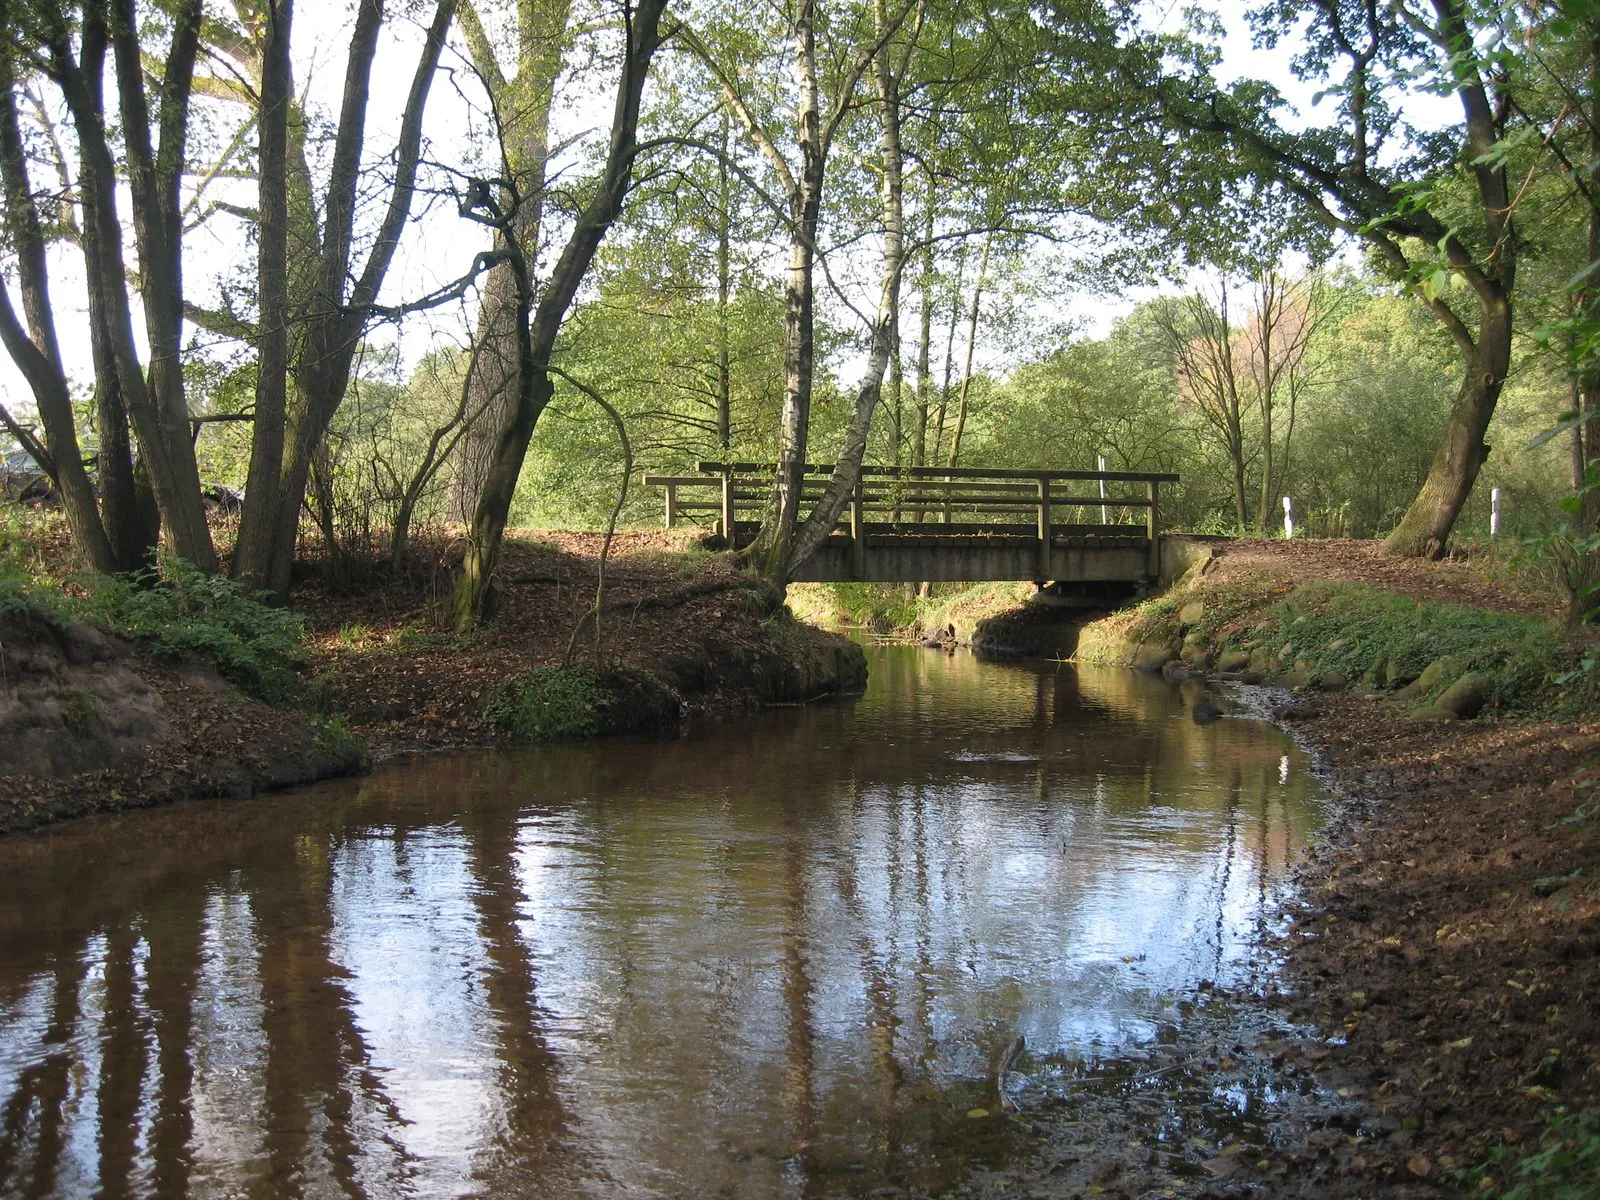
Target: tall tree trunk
523,104
1241,515
724,294
35,350
972,341
258,527
155,172
1269,305
536,339
936,454
128,507
773,544
924,367
847,467
1424,531
334,322
1586,302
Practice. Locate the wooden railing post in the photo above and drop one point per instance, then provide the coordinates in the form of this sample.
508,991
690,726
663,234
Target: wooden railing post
858,532
1152,529
1044,528
727,507
672,504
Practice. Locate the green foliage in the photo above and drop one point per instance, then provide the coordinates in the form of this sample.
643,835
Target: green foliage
575,701
175,611
1565,1167
549,704
558,703
335,739
877,606
21,596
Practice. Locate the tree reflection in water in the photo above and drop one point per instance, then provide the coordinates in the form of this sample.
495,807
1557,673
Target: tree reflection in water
773,958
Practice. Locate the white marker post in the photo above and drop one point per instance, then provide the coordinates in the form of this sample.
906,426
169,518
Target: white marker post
1104,520
1288,517
1494,513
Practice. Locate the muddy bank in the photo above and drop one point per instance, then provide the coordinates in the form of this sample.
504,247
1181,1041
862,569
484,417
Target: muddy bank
88,724
1449,941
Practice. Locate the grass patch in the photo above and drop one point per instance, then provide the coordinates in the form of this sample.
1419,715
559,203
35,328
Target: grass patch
22,597
887,608
1355,629
335,740
1108,639
965,605
174,611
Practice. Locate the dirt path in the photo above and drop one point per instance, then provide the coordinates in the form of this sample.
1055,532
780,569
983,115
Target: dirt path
1478,583
1450,939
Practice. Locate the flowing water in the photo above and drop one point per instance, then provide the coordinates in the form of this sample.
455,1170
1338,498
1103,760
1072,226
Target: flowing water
779,957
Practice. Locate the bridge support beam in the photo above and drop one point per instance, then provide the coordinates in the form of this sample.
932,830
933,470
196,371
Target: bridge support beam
1043,486
1153,531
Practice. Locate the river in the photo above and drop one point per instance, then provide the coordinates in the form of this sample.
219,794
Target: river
777,957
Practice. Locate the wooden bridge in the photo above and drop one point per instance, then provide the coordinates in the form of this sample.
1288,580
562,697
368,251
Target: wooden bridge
944,524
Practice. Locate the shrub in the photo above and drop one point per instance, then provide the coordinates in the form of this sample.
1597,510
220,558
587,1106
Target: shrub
1521,654
175,610
559,703
548,704
1565,1167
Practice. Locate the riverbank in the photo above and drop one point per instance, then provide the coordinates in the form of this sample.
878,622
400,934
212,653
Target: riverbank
683,635
1442,962
91,721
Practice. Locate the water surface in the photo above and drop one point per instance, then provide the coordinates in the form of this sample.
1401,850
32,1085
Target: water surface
779,957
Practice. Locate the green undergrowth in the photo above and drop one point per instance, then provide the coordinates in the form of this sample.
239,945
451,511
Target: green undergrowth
1566,1166
175,611
562,703
1363,634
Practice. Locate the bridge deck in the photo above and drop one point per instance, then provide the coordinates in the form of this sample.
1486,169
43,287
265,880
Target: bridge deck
948,524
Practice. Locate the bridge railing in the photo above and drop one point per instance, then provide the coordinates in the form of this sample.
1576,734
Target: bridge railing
908,501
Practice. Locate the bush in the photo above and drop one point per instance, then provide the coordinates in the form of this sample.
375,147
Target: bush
551,704
176,611
548,704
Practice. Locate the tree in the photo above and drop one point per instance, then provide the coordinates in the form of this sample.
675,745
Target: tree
68,45
523,98
1202,340
817,119
1369,175
332,305
258,527
36,349
496,203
